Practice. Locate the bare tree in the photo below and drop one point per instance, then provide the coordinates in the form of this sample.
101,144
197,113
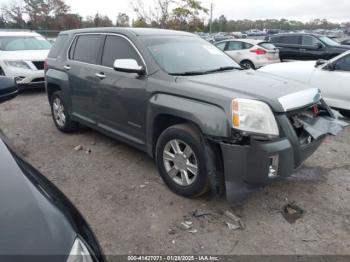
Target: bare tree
13,13
123,20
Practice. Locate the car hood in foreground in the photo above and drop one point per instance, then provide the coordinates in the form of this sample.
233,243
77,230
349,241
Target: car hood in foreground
300,71
28,55
245,84
36,218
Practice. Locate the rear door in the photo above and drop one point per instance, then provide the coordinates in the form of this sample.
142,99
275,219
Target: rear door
121,101
81,66
238,50
312,48
288,46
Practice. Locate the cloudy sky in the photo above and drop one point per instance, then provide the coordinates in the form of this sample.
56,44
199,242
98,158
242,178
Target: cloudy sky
334,10
304,10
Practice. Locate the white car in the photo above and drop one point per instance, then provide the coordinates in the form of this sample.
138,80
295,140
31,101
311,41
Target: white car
331,77
249,53
22,56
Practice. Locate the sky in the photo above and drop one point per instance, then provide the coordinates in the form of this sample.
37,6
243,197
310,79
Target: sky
302,10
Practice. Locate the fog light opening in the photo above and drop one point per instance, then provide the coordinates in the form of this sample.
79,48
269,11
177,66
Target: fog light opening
273,167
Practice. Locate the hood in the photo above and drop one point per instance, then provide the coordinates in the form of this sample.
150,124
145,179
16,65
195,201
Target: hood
31,221
299,71
247,84
27,55
343,47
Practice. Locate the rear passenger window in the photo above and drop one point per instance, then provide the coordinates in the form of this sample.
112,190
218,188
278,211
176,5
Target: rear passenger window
87,48
290,39
234,45
117,47
58,46
275,39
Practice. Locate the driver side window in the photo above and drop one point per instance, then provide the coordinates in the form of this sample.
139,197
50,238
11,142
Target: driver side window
343,64
308,40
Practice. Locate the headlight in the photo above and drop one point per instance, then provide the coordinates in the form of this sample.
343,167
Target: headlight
253,116
79,252
17,64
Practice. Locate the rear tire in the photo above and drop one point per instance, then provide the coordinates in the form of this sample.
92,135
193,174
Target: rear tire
60,115
247,65
181,160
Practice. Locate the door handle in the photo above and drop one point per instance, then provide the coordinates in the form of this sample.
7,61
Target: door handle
67,67
100,75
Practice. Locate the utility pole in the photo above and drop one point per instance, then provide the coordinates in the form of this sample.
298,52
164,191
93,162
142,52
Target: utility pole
211,18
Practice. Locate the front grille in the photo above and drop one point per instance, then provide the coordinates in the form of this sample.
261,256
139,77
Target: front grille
39,64
39,79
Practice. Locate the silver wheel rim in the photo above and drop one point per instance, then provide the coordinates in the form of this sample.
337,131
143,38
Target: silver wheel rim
180,162
58,112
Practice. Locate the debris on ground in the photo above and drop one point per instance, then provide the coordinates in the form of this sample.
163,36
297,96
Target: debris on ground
201,213
78,148
171,231
238,221
185,226
88,151
193,231
232,216
142,186
232,226
291,212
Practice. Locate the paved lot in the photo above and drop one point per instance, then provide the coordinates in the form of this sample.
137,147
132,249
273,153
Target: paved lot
119,192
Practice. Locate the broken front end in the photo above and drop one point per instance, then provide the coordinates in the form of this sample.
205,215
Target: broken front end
256,162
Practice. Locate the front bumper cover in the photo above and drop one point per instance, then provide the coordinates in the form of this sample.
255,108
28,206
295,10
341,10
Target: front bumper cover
247,167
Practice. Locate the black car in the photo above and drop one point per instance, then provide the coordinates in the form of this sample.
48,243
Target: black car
38,223
307,46
345,42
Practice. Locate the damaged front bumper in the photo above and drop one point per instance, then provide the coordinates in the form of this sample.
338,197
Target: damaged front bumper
248,167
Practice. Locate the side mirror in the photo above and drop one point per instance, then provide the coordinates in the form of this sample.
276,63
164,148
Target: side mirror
319,46
320,62
8,89
128,66
330,67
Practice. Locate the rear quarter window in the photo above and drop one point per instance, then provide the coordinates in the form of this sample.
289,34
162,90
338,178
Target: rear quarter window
268,46
58,46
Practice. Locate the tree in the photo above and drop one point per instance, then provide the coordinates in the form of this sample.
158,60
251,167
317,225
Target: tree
13,13
123,20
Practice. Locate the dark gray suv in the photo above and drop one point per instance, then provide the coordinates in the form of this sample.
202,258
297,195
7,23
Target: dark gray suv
207,123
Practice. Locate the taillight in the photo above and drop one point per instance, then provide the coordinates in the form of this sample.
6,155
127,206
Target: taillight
258,51
45,64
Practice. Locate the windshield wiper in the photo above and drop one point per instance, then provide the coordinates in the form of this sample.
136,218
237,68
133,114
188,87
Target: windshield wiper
223,68
189,73
192,73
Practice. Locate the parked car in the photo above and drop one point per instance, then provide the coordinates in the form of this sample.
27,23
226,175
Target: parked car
37,220
331,77
345,42
249,53
22,55
306,46
207,123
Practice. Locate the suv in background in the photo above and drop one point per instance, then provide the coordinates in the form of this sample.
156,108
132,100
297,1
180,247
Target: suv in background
307,46
207,123
22,56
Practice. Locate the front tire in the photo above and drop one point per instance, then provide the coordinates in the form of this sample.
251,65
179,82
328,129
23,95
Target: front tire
180,158
60,115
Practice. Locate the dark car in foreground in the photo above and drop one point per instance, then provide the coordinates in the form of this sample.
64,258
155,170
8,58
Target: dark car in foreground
38,223
345,42
305,46
206,122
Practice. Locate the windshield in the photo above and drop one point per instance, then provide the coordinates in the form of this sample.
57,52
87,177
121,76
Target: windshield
17,43
328,41
181,55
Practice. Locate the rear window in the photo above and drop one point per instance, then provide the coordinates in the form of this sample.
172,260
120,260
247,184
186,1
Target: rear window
286,39
87,48
58,46
268,46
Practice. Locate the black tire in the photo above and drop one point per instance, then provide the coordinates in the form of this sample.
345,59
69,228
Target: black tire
246,64
69,125
192,137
